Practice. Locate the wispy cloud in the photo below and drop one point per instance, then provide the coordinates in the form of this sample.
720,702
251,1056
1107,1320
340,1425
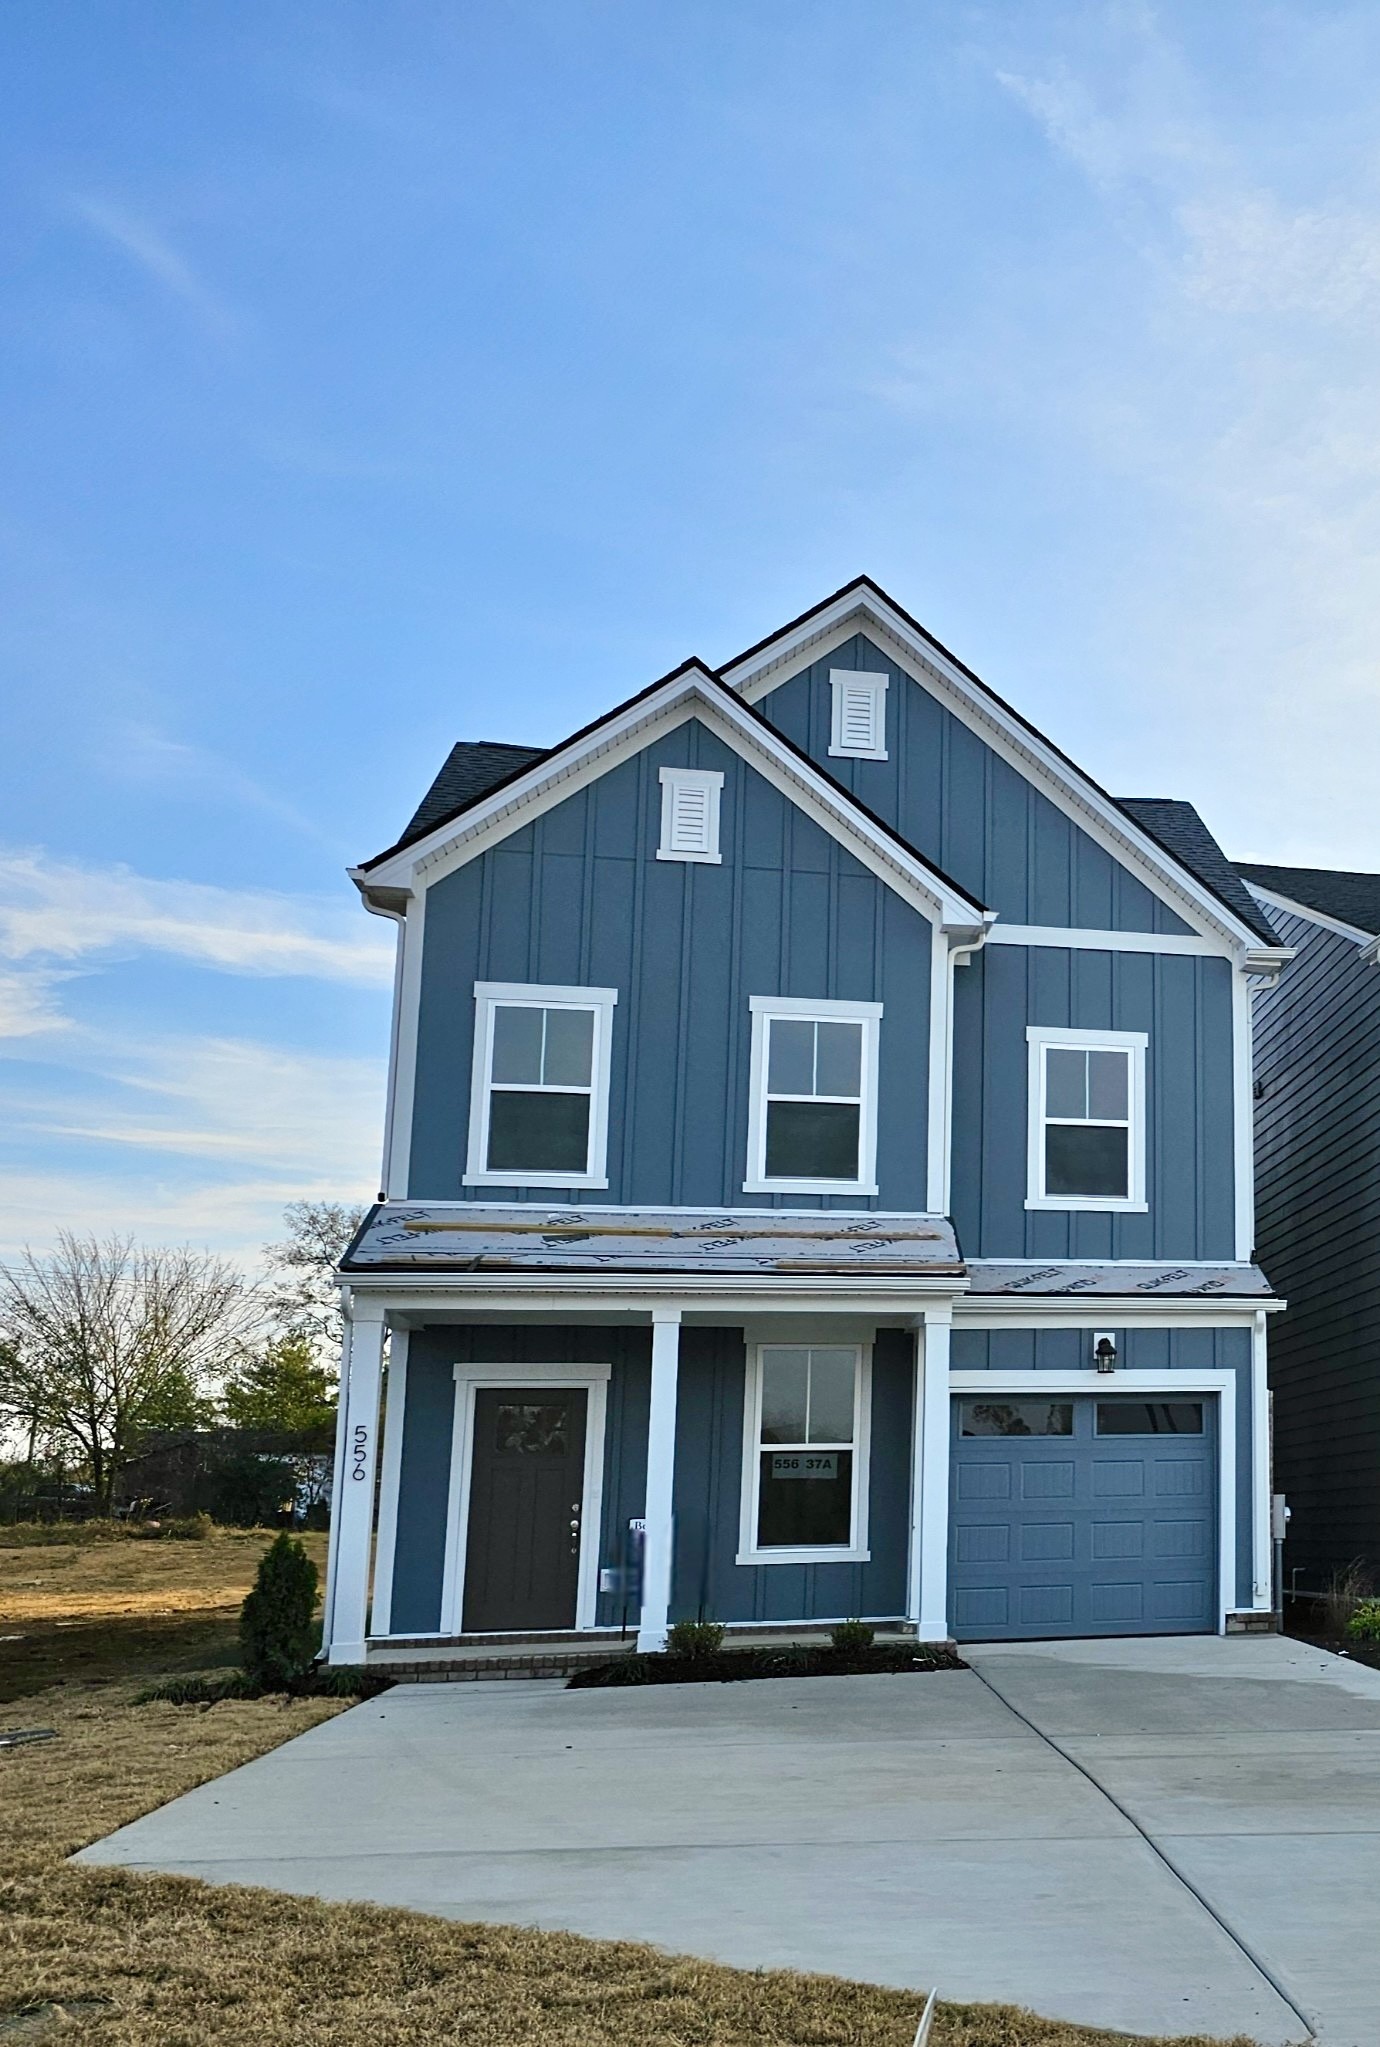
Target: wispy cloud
155,256
60,910
144,753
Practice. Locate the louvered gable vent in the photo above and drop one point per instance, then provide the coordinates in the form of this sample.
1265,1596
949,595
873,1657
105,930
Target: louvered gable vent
859,714
690,814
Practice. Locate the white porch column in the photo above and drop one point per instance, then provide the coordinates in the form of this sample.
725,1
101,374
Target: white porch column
352,1509
1262,1472
661,1469
927,1584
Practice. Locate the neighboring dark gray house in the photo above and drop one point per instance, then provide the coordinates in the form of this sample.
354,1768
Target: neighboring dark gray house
1317,1125
818,1180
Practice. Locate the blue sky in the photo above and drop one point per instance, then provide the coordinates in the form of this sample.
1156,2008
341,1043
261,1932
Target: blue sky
372,377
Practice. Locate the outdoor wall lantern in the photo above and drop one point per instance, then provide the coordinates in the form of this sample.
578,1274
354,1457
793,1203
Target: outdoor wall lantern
1104,1351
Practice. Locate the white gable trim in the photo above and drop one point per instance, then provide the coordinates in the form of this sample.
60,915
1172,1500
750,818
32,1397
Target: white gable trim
1274,900
756,675
682,697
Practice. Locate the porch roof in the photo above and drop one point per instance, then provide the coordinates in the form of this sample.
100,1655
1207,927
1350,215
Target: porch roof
472,1237
1040,1279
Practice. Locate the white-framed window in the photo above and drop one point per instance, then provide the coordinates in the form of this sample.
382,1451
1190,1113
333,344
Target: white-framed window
539,1096
1087,1119
805,1454
690,814
858,720
812,1116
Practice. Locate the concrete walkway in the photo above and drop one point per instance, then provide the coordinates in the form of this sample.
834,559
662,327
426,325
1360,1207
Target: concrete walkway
1197,1851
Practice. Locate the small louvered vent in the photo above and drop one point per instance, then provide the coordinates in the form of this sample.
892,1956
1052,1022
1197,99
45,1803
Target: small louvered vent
859,714
689,814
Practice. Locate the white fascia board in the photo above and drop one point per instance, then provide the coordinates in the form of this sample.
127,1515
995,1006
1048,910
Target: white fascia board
1032,756
681,698
1272,900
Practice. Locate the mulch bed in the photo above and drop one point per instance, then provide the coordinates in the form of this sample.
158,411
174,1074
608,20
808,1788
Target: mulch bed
728,1666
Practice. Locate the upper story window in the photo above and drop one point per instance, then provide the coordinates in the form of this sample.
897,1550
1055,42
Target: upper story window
540,1091
858,724
690,814
805,1438
1087,1119
812,1124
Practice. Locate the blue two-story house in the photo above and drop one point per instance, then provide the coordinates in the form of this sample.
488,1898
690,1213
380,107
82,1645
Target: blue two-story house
818,1180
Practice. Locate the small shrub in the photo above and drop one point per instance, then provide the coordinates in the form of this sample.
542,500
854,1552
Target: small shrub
851,1636
695,1638
189,1528
1345,1591
277,1639
1364,1624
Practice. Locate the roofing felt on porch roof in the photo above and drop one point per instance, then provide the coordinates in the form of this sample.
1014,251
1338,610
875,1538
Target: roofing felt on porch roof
470,1237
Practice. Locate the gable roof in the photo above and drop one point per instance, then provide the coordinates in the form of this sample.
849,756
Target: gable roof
740,722
1349,897
1194,855
469,771
1178,828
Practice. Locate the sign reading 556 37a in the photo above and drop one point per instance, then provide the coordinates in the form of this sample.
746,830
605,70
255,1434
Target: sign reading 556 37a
805,1464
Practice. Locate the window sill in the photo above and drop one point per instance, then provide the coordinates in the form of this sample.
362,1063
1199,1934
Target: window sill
858,753
1087,1204
803,1556
807,1187
530,1180
691,859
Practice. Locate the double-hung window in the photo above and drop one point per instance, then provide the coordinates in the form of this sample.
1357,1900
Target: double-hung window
540,1089
1087,1119
805,1444
812,1124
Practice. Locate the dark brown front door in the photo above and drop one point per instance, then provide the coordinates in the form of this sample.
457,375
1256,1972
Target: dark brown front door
522,1557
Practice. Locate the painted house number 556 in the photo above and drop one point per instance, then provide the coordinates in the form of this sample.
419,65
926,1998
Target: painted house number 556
359,1451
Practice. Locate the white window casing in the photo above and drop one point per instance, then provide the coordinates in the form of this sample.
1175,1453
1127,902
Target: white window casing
766,1010
1055,1107
858,714
586,1077
855,1550
690,815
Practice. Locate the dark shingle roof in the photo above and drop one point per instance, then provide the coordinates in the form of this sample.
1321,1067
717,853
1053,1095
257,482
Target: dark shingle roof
471,769
1350,898
1179,829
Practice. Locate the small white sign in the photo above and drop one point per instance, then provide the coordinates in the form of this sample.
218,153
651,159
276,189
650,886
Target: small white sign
805,1464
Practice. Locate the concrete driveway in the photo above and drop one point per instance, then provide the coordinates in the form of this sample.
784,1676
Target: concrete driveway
1161,1836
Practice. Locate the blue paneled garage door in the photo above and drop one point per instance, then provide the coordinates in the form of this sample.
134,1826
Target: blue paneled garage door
1083,1516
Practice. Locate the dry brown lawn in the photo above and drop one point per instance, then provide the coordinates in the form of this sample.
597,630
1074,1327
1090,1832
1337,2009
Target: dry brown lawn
85,1611
123,1960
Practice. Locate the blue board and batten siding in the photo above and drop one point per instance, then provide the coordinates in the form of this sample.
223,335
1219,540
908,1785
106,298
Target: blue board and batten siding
579,898
707,1581
1184,1005
965,808
1317,1134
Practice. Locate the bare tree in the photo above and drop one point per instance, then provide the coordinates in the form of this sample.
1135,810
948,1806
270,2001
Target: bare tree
102,1341
303,1299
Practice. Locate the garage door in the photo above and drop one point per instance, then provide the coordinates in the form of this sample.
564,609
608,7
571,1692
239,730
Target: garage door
1083,1516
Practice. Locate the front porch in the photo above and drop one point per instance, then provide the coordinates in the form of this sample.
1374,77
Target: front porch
576,1459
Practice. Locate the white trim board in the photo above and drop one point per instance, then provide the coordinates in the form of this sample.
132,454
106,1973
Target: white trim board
469,1379
858,610
1183,1380
1273,900
691,693
390,1481
750,1556
1082,938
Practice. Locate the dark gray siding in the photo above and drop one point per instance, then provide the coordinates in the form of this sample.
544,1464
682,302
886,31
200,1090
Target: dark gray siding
965,808
1184,1005
579,897
1317,1137
419,1559
706,1582
1138,1350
